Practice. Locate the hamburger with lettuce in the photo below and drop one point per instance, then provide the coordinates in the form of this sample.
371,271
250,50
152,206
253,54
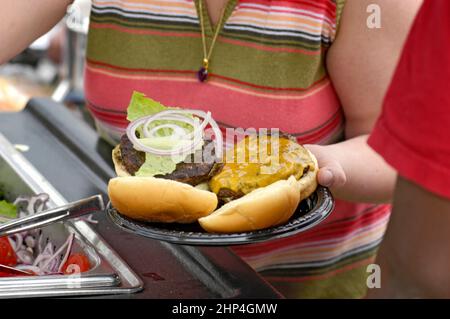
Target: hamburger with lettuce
171,167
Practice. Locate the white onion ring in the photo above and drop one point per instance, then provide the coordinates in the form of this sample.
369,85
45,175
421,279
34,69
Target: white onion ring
195,137
164,115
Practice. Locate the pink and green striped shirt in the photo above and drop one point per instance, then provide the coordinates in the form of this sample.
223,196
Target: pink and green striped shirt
267,70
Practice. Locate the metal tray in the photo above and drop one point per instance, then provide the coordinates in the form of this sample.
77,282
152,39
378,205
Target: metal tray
109,273
309,213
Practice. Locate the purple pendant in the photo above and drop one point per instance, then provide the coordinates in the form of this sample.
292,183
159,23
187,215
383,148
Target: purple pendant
202,74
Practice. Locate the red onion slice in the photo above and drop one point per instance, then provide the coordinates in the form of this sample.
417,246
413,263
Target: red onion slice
66,255
68,243
47,261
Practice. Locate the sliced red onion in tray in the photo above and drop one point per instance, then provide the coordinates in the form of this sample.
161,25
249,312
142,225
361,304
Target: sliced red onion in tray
195,137
48,249
30,241
66,255
67,244
31,204
45,260
25,257
52,266
41,258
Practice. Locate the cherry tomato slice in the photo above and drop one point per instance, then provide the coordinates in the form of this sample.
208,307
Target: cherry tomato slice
7,254
76,263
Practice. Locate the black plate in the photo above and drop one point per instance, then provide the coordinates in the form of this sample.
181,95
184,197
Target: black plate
309,213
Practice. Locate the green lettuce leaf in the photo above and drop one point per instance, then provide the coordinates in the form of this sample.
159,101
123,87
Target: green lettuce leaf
7,209
164,142
158,165
141,106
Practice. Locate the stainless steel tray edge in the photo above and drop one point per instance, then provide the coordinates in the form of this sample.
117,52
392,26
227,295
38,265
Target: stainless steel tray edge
130,282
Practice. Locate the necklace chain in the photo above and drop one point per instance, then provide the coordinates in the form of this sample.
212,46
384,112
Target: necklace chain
203,72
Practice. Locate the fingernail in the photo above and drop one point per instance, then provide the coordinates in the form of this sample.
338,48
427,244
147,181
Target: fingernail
326,177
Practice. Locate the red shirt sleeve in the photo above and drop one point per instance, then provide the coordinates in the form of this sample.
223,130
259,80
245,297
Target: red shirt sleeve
413,132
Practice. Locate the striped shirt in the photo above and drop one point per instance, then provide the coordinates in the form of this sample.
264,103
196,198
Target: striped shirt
267,70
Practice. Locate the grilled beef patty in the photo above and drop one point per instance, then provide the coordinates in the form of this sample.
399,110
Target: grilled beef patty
186,172
131,158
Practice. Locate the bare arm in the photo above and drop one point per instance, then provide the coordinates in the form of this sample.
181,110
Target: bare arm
414,257
361,63
23,21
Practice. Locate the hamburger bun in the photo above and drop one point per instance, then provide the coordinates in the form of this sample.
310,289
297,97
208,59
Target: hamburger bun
118,165
308,182
160,200
262,208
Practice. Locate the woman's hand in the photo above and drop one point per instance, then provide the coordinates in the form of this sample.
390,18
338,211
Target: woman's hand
354,172
331,173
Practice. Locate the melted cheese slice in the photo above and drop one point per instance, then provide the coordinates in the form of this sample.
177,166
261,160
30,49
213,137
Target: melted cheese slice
256,162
